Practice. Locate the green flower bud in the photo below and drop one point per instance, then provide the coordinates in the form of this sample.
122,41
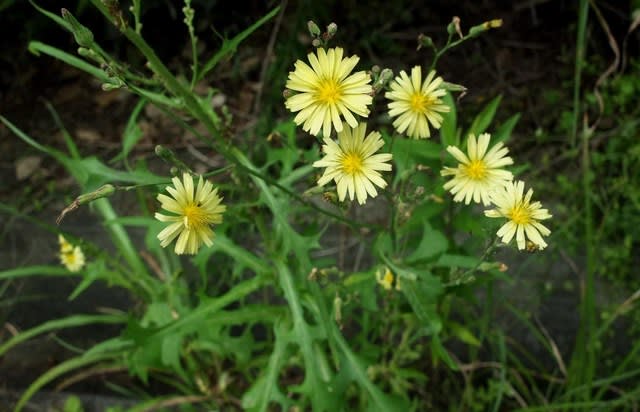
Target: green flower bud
332,29
454,26
178,166
314,30
82,35
107,87
386,75
103,191
424,41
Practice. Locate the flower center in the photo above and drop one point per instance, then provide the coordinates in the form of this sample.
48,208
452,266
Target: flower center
329,91
388,278
420,103
520,215
70,257
476,170
352,163
194,216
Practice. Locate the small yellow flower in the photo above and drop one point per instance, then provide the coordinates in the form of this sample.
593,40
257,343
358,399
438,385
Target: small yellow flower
193,214
523,216
70,256
327,90
416,103
352,164
385,278
479,171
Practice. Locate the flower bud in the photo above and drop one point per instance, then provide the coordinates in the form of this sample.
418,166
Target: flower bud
332,29
424,41
313,28
454,26
481,28
386,75
82,35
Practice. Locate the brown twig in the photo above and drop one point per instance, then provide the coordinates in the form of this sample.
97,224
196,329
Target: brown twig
612,67
77,377
554,348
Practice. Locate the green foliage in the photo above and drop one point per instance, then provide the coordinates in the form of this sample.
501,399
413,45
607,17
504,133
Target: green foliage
269,317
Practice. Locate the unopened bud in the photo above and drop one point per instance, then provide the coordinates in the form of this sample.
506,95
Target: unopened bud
481,28
104,191
286,93
375,69
316,42
82,35
337,309
168,156
332,29
386,75
313,28
424,41
107,87
454,26
453,87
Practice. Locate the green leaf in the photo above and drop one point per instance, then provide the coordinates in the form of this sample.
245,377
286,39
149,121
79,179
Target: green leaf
449,128
503,133
484,119
62,22
457,261
440,352
229,46
433,243
73,404
463,333
422,290
57,324
39,270
37,47
132,132
408,153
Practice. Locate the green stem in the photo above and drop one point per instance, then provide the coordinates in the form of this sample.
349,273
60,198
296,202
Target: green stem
583,10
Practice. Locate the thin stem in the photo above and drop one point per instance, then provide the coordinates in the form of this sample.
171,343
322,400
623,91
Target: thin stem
583,10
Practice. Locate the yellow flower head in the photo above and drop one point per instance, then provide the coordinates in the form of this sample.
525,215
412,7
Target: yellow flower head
194,211
523,216
416,103
352,164
479,171
327,90
71,257
385,278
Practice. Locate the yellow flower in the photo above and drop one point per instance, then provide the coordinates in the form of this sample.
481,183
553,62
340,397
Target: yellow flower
327,91
352,164
71,257
416,103
193,214
385,278
523,216
479,171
